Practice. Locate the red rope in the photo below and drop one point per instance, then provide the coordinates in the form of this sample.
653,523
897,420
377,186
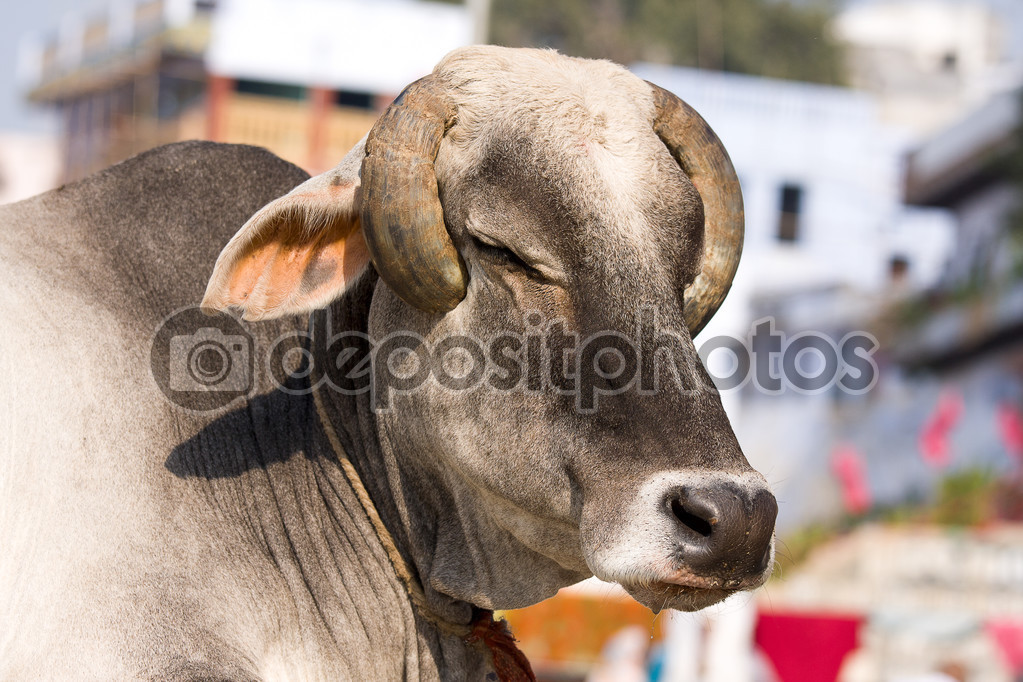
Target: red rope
509,661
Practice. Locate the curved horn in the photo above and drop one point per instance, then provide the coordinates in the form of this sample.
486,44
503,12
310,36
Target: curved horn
402,218
703,158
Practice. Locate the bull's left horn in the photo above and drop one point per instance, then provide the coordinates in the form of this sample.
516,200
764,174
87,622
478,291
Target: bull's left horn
402,217
703,158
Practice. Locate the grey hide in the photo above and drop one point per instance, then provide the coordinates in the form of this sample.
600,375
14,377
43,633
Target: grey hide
143,541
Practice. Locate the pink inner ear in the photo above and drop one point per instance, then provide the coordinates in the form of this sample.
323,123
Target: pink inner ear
328,266
247,271
293,271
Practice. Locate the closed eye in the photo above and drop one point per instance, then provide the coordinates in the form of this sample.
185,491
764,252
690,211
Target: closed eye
502,255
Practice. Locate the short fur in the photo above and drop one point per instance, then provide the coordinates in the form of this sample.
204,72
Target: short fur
144,542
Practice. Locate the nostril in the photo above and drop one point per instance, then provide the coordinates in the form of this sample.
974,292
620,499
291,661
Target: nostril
721,530
691,520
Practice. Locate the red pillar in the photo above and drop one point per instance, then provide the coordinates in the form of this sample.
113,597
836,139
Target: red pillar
218,90
383,100
320,100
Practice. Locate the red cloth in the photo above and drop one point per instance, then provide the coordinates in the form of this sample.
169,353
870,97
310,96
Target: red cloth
1011,426
806,647
1008,635
934,437
848,467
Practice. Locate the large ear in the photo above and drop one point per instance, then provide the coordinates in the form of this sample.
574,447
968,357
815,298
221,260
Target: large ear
298,253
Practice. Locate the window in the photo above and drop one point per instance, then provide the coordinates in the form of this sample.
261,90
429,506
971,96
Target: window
266,89
791,207
949,62
359,100
898,268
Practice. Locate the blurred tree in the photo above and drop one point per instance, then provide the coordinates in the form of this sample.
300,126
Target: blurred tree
966,498
776,38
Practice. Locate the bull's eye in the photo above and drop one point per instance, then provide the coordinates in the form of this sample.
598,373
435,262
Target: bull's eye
504,256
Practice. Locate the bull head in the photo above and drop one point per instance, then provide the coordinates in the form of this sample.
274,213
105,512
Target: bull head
404,222
512,181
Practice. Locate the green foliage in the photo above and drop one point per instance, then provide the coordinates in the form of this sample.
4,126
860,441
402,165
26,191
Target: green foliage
970,497
775,38
965,498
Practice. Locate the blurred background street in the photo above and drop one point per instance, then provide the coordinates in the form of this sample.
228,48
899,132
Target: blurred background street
879,144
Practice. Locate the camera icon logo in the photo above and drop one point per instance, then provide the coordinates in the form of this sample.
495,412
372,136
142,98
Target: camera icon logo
210,360
203,363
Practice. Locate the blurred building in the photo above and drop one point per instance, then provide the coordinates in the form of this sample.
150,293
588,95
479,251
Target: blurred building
29,164
124,79
962,344
966,338
828,241
949,395
929,61
305,79
931,599
967,167
821,176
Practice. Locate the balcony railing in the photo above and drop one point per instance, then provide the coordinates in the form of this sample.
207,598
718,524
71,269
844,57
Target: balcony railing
285,127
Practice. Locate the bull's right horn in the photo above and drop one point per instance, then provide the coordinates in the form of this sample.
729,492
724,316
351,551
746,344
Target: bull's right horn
402,217
703,158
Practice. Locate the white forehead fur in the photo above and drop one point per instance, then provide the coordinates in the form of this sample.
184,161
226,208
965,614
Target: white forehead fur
594,117
495,84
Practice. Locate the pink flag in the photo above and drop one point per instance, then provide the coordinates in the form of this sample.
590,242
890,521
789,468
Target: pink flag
934,437
848,467
1011,426
1008,635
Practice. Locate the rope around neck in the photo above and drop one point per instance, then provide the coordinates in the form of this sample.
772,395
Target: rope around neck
401,568
509,662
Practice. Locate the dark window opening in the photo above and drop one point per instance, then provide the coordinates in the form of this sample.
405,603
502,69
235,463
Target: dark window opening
791,207
266,89
949,62
358,100
898,268
205,5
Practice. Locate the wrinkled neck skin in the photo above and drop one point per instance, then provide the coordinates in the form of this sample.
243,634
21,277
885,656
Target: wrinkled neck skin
461,556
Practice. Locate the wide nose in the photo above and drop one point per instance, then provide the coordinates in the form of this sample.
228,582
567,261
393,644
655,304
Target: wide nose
724,530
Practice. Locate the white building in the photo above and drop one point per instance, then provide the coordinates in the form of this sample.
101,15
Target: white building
821,176
929,61
350,45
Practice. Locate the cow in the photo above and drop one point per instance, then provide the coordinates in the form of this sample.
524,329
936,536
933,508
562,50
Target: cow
313,530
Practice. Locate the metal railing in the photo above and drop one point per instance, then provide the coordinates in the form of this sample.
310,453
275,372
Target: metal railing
285,127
